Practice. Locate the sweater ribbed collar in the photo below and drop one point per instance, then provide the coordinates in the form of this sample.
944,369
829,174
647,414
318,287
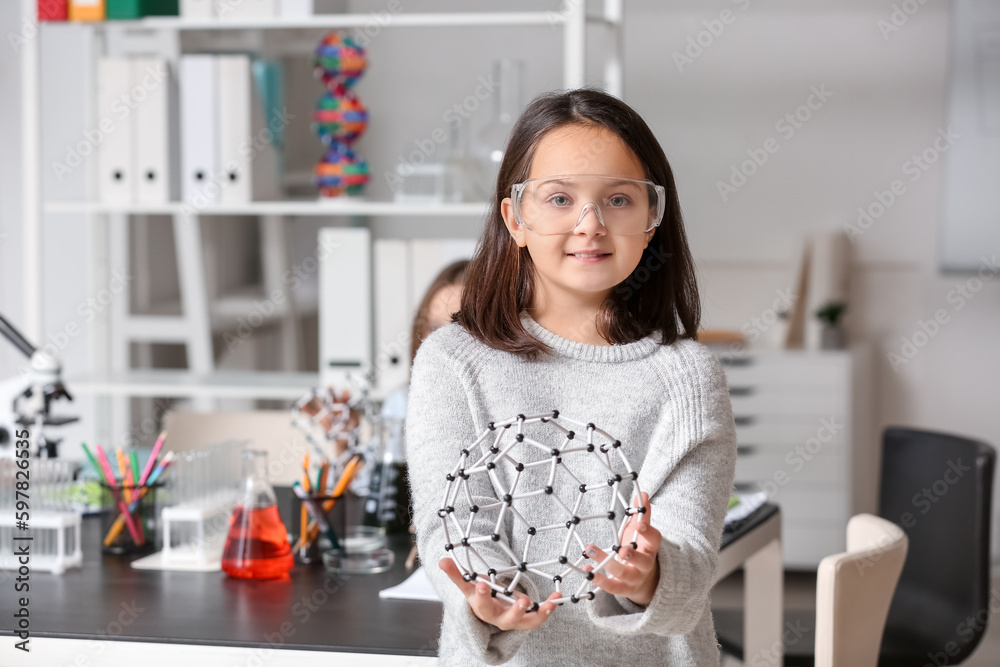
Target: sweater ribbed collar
589,352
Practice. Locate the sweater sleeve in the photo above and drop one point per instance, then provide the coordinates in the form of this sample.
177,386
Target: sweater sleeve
688,508
439,425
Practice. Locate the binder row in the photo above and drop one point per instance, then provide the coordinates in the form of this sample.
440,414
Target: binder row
227,10
101,10
227,152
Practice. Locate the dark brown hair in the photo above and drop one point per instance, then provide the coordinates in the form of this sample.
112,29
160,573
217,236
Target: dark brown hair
449,275
661,293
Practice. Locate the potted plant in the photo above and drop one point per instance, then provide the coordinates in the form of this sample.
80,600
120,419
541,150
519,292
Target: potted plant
833,336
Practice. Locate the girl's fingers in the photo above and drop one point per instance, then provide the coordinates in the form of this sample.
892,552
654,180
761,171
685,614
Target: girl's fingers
451,569
549,605
612,567
647,542
626,573
643,518
612,585
513,617
639,558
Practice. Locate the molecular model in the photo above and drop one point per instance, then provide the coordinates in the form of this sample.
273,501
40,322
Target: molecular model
340,117
533,465
324,420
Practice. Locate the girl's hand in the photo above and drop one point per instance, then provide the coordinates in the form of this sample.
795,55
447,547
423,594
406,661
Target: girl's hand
496,611
634,573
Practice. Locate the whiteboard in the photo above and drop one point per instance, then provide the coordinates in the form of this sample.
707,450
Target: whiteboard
970,222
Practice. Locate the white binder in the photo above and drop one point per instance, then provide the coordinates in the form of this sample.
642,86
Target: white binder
197,10
393,314
235,100
199,173
345,314
429,257
114,76
150,133
227,10
295,9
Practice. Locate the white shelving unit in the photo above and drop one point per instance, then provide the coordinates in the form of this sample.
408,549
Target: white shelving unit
113,377
288,207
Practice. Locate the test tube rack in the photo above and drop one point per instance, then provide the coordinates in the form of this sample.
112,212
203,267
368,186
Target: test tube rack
195,520
52,536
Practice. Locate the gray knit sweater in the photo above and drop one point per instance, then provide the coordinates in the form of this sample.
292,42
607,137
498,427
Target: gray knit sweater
669,406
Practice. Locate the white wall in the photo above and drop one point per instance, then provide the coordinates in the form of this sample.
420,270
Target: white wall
888,102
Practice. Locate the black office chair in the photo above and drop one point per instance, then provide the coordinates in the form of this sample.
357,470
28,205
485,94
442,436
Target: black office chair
938,488
946,578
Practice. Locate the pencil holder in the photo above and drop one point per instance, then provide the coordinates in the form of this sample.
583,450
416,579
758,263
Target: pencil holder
317,524
130,522
361,549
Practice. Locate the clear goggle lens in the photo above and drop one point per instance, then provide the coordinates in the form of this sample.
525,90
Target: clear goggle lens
556,205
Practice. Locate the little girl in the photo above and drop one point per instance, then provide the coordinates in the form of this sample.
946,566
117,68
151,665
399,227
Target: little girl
581,297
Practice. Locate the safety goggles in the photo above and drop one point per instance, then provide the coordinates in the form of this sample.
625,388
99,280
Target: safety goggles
557,204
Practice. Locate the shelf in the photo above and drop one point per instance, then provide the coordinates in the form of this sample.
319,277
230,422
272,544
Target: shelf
163,319
185,384
284,207
365,20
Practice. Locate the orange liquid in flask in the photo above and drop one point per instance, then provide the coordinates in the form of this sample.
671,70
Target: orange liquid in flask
257,546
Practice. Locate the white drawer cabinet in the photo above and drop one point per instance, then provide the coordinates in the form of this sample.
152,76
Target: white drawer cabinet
806,438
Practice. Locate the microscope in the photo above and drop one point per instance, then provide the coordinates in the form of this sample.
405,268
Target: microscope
26,398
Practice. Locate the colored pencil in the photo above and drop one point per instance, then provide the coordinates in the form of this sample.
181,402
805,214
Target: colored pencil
350,470
123,467
116,528
151,463
304,513
110,476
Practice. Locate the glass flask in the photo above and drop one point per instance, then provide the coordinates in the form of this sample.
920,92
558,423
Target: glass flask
257,545
388,501
492,138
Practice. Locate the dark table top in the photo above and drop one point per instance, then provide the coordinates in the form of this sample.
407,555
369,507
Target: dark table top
313,609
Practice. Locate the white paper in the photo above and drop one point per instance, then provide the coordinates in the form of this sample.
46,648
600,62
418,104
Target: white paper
416,587
748,503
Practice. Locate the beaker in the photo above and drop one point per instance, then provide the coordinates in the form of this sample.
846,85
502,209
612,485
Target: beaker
257,545
388,502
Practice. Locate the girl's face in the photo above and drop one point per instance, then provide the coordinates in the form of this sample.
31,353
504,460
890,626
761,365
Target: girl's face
580,149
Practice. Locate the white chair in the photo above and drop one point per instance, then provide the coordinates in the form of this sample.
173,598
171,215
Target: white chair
854,590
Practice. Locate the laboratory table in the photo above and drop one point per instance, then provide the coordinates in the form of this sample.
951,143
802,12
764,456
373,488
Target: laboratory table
107,603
